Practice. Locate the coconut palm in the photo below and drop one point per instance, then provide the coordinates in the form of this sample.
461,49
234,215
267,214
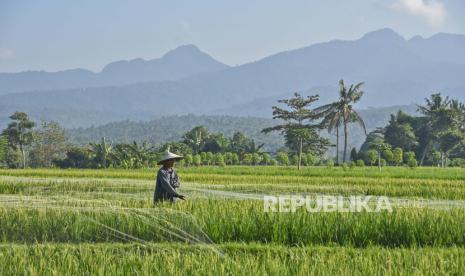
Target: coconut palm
342,113
332,120
437,115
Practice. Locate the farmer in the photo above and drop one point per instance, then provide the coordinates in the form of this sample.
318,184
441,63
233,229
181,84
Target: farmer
167,179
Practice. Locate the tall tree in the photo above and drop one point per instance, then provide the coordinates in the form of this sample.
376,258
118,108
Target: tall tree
438,120
49,145
241,144
399,133
297,120
20,134
196,138
342,113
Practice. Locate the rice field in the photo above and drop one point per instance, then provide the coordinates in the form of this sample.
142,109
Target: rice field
56,222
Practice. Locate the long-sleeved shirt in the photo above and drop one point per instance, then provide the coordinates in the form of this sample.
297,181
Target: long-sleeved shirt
166,184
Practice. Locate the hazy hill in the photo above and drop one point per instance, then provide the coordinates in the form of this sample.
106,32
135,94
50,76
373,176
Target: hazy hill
179,63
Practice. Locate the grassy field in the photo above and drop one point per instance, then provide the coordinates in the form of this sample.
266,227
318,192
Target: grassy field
103,221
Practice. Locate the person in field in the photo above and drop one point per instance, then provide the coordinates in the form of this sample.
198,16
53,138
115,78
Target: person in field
167,179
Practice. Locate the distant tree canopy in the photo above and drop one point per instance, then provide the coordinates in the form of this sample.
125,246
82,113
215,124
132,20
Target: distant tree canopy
434,138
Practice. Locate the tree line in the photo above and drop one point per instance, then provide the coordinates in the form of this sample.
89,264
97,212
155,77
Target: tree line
23,144
435,138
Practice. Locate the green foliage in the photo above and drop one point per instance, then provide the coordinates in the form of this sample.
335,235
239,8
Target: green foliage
189,159
372,156
434,137
330,164
102,152
3,150
19,133
209,158
311,159
383,162
197,160
299,129
266,159
49,144
458,162
410,155
77,157
400,133
398,156
196,138
255,158
360,163
412,163
235,159
388,155
353,155
219,160
282,158
295,160
342,112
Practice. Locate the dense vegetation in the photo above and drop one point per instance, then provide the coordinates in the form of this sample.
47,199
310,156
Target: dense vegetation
437,137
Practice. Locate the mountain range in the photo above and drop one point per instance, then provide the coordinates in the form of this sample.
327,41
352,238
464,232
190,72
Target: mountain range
184,61
396,71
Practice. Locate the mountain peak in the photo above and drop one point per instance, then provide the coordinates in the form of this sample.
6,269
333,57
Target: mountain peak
184,50
383,35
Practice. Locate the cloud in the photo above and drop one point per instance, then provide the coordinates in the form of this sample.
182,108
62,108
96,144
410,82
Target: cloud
432,11
6,53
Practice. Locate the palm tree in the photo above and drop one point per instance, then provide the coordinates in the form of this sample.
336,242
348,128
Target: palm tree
436,112
342,113
332,120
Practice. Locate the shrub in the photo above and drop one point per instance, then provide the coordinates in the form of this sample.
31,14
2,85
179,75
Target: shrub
197,160
295,160
412,163
383,162
372,156
282,158
409,156
311,159
330,163
360,163
219,160
188,159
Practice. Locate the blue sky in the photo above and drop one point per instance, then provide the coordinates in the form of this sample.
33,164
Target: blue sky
57,34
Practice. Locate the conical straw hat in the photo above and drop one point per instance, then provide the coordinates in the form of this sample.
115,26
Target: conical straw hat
169,156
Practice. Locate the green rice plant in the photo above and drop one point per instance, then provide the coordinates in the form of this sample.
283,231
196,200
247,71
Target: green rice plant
238,259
